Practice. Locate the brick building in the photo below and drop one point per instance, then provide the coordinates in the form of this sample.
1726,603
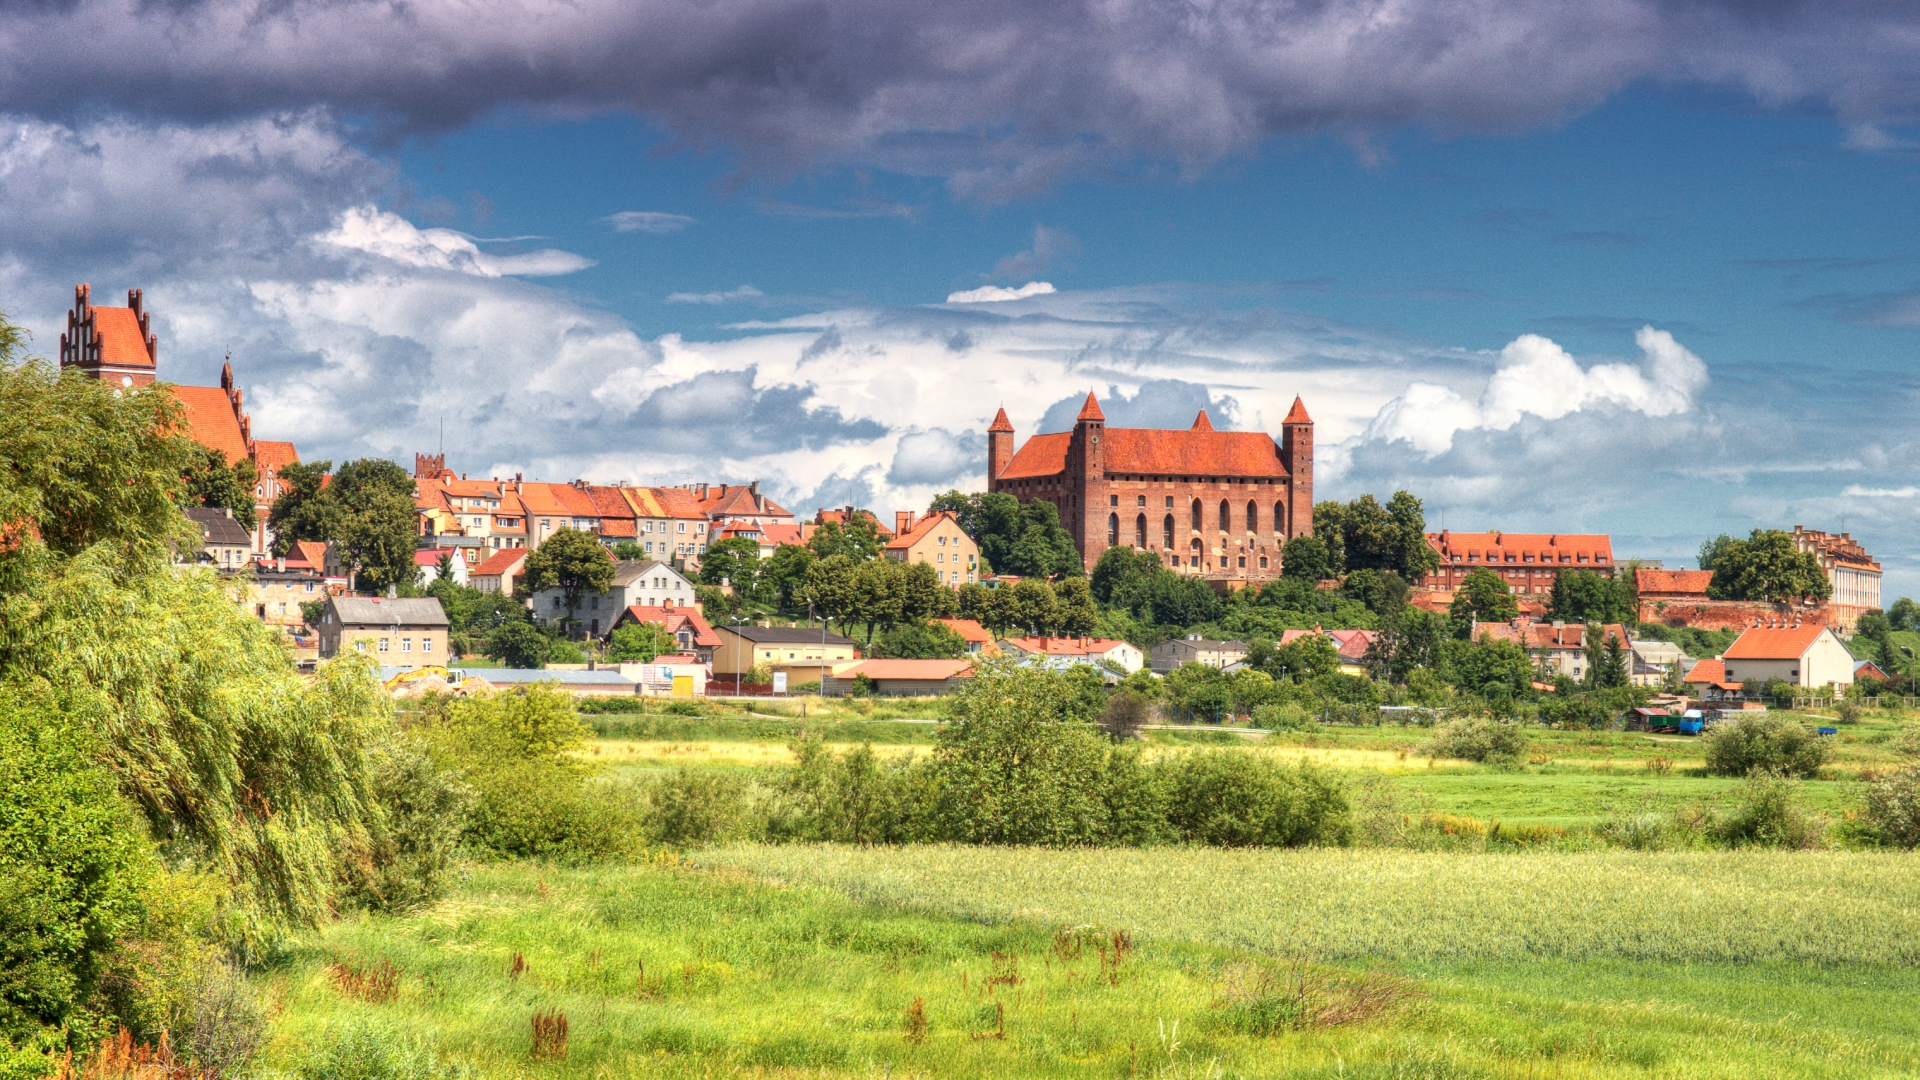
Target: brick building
1854,575
1527,562
1213,503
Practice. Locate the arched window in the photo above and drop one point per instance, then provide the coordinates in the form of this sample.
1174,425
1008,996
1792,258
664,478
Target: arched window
1140,531
1113,529
1196,517
1226,517
1166,528
1279,517
1253,517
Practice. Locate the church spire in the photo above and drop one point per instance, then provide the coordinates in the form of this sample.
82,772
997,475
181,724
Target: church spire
1091,410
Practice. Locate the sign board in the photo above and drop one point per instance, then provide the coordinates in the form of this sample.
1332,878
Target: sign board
779,682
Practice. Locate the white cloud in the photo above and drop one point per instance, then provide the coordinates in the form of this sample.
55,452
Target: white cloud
648,221
987,294
1536,377
1857,491
744,292
390,236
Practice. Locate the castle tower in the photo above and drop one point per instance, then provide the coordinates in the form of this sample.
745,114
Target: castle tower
999,447
1296,452
114,345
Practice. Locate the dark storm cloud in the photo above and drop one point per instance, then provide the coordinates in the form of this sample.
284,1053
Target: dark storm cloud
995,94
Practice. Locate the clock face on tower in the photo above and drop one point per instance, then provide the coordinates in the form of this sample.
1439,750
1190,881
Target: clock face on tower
126,380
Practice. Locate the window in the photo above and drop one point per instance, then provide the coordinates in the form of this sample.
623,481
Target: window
1243,562
309,586
1253,517
545,523
406,644
683,526
282,611
1169,502
1279,517
1140,531
1263,562
1140,500
383,644
1196,517
1113,526
360,646
426,644
1166,532
1226,516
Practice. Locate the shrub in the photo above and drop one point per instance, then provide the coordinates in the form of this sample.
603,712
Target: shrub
695,807
1766,816
1231,798
369,1050
409,854
548,810
1893,807
1907,742
847,797
1478,738
1768,743
1126,712
220,1023
1644,831
1281,718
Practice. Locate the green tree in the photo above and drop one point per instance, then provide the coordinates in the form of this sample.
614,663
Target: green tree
1025,539
1076,613
919,641
639,643
378,525
1904,614
1766,566
1711,549
573,562
985,606
1171,599
1487,667
1032,606
1306,558
1409,640
785,574
1585,596
1118,570
1482,597
831,591
211,482
629,551
302,511
519,645
858,538
1363,535
1381,591
922,594
1305,657
734,561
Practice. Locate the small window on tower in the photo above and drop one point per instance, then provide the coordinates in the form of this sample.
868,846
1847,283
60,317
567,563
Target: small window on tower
1113,500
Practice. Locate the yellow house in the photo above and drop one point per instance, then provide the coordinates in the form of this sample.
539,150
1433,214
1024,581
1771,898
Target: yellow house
806,654
939,541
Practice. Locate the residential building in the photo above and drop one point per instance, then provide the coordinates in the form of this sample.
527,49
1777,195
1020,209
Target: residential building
1867,669
1350,645
672,675
499,572
1061,653
1652,660
1558,648
686,625
273,592
1853,575
806,654
401,634
850,513
1171,656
489,512
900,678
428,562
619,522
552,507
979,641
940,542
635,584
1527,562
738,502
118,346
1808,654
225,543
1213,503
1707,680
670,525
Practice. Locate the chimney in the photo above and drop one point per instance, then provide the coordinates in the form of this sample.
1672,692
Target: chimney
902,521
280,564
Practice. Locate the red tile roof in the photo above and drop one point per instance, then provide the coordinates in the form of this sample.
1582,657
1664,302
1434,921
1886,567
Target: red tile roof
1673,582
822,517
786,534
918,670
577,500
672,620
1041,455
1091,410
501,562
1064,646
1201,451
544,499
677,503
1201,423
1492,547
921,528
211,419
737,500
609,503
1712,673
1297,414
1000,422
1789,643
969,630
271,456
117,329
311,552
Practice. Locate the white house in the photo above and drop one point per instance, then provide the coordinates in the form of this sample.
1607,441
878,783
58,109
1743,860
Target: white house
1061,653
1808,655
635,584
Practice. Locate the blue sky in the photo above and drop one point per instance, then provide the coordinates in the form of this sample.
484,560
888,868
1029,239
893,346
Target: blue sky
1634,268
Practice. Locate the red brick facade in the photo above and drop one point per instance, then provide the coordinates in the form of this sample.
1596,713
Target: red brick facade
1218,504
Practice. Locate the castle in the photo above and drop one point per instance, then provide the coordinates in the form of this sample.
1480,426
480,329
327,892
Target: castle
1218,504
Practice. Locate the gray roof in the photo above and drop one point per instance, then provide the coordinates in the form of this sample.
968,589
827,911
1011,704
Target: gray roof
600,677
1211,646
219,527
627,573
382,611
781,635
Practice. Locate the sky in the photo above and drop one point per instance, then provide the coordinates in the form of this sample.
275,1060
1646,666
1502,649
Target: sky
1642,268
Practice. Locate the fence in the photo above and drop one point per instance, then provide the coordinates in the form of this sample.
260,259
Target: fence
1888,701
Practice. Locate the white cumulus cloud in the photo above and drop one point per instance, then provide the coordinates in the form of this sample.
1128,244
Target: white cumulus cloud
1536,377
390,236
987,294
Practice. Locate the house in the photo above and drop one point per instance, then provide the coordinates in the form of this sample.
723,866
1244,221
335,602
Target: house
979,641
1061,653
806,654
670,525
669,675
738,502
552,507
1351,646
225,543
319,558
403,634
1527,562
1559,648
497,574
849,513
1219,504
1169,656
940,542
488,512
1867,669
1804,655
635,584
900,678
1708,681
686,625
427,560
1853,575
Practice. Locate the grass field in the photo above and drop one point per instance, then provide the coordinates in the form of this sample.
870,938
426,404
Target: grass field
1417,979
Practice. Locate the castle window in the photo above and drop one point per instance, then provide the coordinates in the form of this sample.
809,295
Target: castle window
1263,562
1113,500
1140,500
1279,515
1140,531
1196,518
1166,529
1253,517
1226,516
1169,502
1113,528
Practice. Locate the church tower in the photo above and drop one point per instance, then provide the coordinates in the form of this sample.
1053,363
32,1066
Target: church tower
1296,453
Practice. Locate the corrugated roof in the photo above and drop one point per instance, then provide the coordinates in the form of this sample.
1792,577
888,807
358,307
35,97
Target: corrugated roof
782,635
383,611
218,528
524,676
1062,646
1765,643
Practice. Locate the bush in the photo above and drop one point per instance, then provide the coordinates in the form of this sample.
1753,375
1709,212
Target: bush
695,807
1479,739
547,810
1766,816
1126,713
1281,718
1231,798
1893,807
846,798
1774,744
220,1022
369,1050
409,854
